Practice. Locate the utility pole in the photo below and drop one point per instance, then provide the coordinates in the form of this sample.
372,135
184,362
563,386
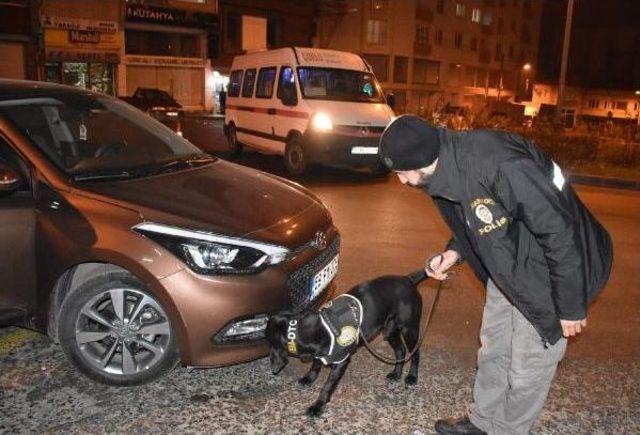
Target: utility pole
565,58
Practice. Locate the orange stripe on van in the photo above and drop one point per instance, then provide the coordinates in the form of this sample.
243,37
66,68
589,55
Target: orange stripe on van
279,112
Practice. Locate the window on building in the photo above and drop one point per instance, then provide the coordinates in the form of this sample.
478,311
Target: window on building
161,43
422,34
458,40
377,32
248,83
473,45
426,72
500,25
606,104
593,103
440,6
274,33
476,15
439,37
380,65
401,101
487,18
97,77
233,32
621,105
379,5
266,81
235,79
400,69
460,10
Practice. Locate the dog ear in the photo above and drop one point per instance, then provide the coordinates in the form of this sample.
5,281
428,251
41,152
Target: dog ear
276,334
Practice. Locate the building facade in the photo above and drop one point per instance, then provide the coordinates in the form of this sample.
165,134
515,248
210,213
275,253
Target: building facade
17,39
438,53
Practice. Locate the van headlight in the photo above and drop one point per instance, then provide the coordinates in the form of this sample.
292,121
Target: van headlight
214,254
321,122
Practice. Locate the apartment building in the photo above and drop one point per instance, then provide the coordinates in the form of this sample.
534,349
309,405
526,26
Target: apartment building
434,53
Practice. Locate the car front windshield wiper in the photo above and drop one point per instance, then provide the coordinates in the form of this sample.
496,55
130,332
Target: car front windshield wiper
181,163
104,176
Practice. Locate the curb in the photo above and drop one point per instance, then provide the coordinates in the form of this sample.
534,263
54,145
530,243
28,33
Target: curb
604,181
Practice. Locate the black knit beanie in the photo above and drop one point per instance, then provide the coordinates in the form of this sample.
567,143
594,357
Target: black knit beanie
409,143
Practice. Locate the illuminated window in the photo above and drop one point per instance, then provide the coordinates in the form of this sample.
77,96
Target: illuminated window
460,10
487,20
476,15
377,32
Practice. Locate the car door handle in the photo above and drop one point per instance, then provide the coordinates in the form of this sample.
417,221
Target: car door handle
271,111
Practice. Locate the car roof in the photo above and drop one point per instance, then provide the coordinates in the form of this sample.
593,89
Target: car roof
18,89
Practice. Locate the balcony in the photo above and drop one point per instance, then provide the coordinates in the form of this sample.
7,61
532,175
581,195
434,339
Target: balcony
422,48
484,56
424,14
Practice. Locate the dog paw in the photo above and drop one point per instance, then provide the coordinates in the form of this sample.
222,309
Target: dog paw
315,410
305,381
393,376
411,380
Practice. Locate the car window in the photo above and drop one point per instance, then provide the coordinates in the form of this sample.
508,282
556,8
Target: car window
266,81
234,83
86,133
249,81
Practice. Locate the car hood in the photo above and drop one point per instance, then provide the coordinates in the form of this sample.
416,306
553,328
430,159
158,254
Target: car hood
365,114
222,198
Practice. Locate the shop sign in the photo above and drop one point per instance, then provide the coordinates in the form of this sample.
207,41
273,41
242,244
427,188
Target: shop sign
84,37
53,55
84,24
170,17
189,62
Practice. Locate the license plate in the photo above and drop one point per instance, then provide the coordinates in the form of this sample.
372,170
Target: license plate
321,279
364,150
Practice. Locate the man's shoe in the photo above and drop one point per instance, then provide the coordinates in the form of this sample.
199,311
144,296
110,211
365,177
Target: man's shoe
457,426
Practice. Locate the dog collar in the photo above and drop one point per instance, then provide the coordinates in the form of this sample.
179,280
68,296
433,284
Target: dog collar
292,335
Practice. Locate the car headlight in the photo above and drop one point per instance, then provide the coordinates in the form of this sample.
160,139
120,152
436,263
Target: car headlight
321,122
213,254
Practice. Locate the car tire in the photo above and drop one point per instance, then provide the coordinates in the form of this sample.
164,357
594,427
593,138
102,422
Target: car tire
295,158
235,147
116,332
380,170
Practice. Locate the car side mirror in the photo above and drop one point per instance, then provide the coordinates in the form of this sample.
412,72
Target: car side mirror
289,96
9,180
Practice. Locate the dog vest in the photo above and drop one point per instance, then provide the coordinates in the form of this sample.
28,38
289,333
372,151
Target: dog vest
342,318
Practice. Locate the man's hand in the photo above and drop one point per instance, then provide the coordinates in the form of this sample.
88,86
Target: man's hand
438,265
571,328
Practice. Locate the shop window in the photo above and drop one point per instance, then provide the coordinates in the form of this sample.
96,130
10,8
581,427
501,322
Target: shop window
377,32
248,83
426,72
266,80
162,43
97,77
380,65
234,83
400,69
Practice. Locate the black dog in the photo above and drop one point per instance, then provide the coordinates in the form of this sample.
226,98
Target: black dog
390,304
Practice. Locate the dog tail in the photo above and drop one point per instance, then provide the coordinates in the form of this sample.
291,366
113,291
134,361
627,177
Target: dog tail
417,277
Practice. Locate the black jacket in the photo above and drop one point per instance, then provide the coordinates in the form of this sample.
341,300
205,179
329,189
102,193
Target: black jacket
516,220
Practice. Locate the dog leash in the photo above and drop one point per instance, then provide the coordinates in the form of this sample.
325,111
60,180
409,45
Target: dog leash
391,361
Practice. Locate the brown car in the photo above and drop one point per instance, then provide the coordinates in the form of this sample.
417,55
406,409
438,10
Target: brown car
134,249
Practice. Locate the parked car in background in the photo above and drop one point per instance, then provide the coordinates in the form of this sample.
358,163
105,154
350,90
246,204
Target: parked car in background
160,105
309,105
135,250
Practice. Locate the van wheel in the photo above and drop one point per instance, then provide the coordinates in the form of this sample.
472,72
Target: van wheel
235,147
380,170
295,159
115,332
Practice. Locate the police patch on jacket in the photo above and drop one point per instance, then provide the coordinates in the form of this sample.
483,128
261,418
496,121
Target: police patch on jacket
342,318
482,209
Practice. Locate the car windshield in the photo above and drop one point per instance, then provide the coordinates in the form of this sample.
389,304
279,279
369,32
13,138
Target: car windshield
99,137
157,95
339,85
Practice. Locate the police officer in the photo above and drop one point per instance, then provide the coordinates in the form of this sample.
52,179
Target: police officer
528,237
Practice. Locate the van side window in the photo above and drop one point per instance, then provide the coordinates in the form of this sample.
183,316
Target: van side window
266,82
234,83
249,81
287,92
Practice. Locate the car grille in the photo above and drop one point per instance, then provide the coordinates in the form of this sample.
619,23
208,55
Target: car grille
299,282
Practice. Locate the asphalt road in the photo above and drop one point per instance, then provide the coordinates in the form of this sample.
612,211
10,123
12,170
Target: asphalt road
386,228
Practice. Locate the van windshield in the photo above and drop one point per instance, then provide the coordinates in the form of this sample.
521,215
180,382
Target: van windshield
339,85
94,137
